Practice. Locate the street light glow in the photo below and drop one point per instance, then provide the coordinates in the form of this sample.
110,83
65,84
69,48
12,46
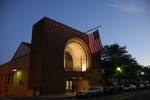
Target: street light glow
118,69
142,73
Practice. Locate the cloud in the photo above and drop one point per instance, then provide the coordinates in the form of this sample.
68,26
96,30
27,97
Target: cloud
128,7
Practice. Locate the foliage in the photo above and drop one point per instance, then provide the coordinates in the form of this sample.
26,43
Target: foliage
114,56
94,75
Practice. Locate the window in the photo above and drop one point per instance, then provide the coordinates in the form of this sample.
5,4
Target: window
68,61
69,85
76,56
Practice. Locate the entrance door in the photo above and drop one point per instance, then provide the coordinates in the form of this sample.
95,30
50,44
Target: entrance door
82,85
69,86
76,85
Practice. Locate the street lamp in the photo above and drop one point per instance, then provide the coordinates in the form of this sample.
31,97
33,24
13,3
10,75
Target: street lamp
142,73
118,72
119,69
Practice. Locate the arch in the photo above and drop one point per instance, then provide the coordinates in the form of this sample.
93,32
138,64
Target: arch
76,55
68,61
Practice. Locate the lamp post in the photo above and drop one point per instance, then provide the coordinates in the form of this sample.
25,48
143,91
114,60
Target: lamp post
142,73
119,69
118,72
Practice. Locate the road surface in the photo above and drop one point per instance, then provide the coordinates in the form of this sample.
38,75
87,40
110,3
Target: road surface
135,95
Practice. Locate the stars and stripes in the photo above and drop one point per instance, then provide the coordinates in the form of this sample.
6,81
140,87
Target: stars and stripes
94,42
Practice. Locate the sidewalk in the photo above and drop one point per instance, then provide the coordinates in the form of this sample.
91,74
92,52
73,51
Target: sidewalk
45,97
68,95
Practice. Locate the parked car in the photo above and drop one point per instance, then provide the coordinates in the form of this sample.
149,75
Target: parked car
126,88
113,89
130,87
140,86
83,93
147,85
92,91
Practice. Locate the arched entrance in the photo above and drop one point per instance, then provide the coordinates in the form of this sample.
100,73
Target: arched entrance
76,56
76,59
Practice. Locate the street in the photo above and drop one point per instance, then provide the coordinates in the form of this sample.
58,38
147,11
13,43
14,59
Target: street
136,95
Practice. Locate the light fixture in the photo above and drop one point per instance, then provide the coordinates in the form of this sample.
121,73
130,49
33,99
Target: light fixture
142,73
118,69
15,70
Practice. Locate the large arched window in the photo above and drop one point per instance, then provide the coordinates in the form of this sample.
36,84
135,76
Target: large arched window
68,61
76,56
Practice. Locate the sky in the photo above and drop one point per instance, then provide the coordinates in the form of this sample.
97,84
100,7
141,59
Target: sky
126,22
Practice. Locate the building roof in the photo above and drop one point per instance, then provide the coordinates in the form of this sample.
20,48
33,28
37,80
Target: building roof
22,50
75,31
25,48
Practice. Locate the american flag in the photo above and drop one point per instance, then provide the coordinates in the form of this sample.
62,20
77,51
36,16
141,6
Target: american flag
95,43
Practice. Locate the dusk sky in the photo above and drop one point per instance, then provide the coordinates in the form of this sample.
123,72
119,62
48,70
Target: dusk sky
126,22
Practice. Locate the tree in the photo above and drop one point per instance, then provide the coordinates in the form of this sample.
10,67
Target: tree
111,57
94,75
115,56
145,74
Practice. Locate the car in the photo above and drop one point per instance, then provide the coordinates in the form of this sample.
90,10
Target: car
83,93
140,86
113,89
96,90
132,87
147,85
108,89
126,88
91,91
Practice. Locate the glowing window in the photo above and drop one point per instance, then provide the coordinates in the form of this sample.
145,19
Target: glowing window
76,56
68,85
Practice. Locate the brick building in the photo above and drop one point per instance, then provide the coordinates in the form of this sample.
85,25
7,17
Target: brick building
57,61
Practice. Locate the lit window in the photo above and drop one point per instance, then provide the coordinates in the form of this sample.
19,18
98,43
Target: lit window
68,85
83,67
76,56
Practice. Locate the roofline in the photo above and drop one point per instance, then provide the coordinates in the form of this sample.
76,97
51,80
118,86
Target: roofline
5,63
20,57
26,43
18,48
63,25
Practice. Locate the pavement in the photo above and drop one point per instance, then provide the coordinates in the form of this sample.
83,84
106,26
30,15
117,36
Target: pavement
68,95
46,97
135,95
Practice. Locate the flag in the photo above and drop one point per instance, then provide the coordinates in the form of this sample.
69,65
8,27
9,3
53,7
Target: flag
94,42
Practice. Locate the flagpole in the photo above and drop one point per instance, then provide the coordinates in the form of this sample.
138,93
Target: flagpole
93,29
